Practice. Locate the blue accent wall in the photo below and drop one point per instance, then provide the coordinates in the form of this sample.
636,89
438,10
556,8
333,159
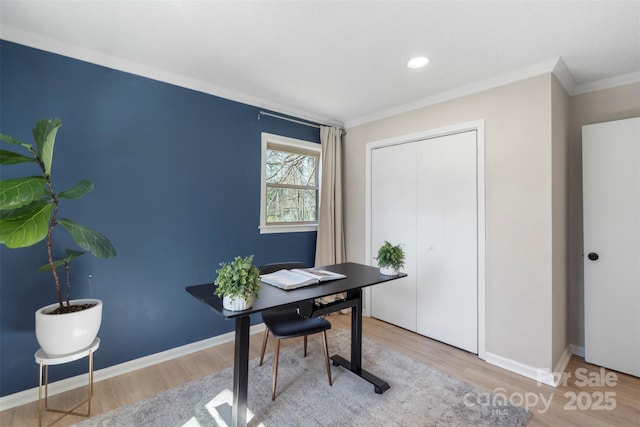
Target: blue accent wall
177,191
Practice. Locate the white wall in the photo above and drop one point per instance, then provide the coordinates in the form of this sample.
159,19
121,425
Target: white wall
519,268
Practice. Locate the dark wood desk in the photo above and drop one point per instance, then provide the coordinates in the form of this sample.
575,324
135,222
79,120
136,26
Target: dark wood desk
358,277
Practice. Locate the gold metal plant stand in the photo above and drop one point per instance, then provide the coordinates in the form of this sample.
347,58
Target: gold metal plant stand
44,360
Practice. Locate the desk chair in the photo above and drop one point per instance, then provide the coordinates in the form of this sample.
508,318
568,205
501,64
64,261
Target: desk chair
285,322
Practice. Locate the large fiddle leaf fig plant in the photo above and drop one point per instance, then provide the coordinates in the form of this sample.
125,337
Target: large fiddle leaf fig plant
29,207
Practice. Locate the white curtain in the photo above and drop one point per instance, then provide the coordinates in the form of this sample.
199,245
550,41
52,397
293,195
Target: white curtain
330,240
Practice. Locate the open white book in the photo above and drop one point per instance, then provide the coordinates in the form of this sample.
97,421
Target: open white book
296,278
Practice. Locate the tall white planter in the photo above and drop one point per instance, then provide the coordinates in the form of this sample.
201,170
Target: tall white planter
60,334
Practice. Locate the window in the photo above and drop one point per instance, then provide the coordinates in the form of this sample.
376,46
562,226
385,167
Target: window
290,185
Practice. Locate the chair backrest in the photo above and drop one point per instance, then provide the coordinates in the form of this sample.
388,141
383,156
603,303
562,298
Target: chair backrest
270,268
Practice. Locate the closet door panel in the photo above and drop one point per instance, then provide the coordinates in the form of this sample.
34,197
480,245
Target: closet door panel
446,230
393,218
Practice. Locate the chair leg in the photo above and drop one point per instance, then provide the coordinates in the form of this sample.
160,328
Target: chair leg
326,356
305,346
264,344
275,369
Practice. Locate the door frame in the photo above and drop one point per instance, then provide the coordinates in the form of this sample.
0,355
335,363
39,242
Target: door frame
478,126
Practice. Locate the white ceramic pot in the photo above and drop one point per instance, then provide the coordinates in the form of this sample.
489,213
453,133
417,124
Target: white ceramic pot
388,271
60,334
237,304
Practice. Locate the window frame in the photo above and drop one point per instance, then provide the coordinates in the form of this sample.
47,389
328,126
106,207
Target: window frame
273,141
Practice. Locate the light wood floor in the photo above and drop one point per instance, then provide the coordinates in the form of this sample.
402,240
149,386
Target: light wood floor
563,410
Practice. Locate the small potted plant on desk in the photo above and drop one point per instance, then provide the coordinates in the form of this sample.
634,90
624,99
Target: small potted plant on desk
390,259
238,283
28,215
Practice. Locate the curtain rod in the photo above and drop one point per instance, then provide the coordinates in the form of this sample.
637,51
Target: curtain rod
277,116
264,113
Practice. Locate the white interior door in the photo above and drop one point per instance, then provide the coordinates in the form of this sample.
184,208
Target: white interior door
447,244
393,207
611,187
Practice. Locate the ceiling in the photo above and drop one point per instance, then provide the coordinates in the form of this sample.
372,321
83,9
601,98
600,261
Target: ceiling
340,62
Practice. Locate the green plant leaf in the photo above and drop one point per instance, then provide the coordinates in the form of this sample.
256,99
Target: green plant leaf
56,264
11,158
25,226
71,254
88,239
15,141
18,192
45,136
80,189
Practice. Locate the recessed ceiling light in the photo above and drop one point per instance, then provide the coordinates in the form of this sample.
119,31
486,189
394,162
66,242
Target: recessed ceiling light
418,62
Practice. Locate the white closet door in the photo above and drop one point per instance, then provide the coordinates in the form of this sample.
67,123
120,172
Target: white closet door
393,210
447,229
611,187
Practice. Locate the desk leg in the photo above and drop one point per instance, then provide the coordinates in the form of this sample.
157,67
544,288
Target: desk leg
355,366
240,373
356,333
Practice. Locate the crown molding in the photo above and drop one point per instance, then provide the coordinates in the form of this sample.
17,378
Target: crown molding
555,66
479,86
35,41
564,76
621,80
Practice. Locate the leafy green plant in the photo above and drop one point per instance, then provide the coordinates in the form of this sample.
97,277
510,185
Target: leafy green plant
29,206
390,256
239,278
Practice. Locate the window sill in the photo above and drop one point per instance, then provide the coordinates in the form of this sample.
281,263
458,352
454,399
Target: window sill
269,229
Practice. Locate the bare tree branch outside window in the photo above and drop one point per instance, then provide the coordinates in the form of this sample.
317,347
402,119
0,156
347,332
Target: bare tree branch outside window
292,187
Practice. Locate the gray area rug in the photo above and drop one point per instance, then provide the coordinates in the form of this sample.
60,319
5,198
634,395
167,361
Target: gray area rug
419,396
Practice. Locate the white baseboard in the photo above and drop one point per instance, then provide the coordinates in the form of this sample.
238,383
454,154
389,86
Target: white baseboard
31,395
540,375
578,350
558,371
515,367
